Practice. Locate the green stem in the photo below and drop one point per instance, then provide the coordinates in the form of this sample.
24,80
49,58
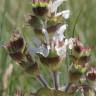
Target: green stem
77,18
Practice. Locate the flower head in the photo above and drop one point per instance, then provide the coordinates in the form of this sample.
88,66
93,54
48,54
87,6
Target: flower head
17,49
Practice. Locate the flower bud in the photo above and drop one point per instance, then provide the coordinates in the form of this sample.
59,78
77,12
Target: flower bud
51,62
81,64
40,7
34,21
29,64
16,46
78,46
74,75
91,75
79,49
71,89
87,91
30,67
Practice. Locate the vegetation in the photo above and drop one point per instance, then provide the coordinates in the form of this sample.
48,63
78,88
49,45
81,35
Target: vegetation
13,14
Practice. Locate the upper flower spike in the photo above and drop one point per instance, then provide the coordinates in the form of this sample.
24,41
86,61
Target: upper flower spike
42,7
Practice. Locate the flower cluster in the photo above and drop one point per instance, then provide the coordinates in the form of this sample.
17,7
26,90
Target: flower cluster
52,48
17,49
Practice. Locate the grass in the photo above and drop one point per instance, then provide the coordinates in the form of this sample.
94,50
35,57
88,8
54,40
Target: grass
12,13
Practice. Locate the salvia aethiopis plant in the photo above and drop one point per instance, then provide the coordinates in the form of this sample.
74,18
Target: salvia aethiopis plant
51,49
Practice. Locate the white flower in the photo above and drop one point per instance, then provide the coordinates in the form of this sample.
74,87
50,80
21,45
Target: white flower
59,38
70,42
61,51
39,48
53,6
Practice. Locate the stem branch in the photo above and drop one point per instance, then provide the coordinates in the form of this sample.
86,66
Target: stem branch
41,79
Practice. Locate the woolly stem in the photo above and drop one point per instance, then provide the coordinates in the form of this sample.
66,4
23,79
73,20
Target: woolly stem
56,79
67,87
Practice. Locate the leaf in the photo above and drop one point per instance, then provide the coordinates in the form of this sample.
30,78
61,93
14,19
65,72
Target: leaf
49,92
44,92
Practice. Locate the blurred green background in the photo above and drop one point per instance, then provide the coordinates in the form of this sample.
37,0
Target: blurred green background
12,15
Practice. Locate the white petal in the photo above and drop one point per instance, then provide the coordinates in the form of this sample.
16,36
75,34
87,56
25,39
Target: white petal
46,35
65,14
62,29
61,51
55,4
60,33
43,50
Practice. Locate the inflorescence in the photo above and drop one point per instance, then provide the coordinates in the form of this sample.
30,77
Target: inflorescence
52,48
